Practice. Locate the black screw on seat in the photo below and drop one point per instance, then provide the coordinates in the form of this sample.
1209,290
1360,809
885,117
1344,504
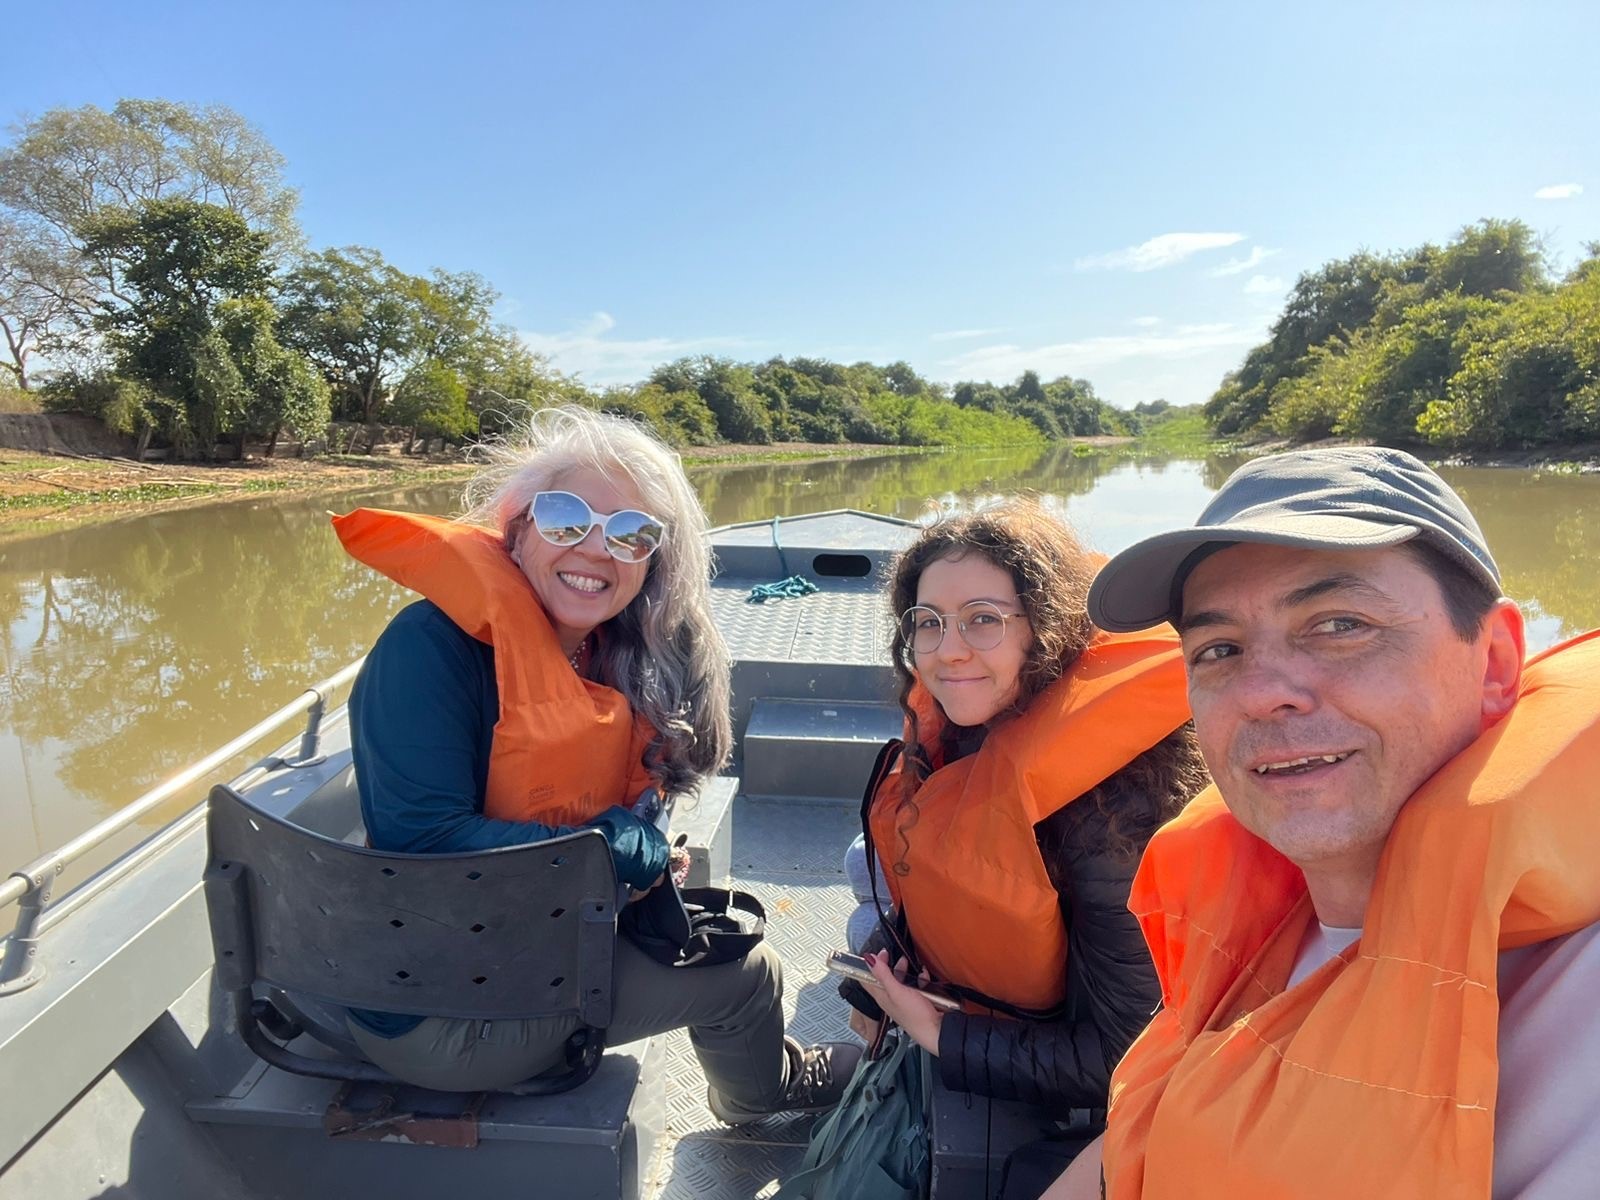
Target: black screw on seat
388,870
479,928
474,874
402,974
398,923
557,913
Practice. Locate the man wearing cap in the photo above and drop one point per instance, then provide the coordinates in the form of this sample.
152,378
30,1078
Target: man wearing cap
1377,934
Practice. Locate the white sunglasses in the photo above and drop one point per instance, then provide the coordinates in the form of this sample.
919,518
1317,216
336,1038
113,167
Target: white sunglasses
564,519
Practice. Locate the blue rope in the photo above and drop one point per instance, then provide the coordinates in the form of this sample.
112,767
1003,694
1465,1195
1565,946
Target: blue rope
791,588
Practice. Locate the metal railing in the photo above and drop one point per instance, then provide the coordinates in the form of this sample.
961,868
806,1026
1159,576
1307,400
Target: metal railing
30,887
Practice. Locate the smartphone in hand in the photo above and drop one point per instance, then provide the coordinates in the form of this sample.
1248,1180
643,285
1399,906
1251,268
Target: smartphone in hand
853,966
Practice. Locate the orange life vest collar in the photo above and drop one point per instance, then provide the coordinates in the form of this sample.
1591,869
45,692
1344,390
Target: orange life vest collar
962,859
1376,1075
565,749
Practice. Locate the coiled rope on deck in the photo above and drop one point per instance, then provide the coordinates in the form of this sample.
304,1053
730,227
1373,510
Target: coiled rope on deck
791,588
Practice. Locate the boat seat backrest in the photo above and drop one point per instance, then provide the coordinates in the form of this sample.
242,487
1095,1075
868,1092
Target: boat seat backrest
520,931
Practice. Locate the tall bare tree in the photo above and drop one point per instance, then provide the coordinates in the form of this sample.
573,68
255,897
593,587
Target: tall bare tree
69,165
42,285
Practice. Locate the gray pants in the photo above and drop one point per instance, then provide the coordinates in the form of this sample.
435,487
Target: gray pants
734,1014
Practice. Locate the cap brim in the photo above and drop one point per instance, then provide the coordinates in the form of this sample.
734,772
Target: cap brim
1134,590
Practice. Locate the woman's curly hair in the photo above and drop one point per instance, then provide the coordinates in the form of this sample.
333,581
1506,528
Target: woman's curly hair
1051,570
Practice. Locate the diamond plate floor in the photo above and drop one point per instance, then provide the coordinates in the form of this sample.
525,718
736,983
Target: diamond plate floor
791,857
843,623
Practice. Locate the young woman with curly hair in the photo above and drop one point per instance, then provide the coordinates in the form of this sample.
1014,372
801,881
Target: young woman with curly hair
1039,756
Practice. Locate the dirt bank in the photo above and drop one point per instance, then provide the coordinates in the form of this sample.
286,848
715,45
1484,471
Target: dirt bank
86,480
39,492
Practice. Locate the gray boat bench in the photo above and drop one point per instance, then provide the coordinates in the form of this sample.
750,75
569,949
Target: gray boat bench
296,1135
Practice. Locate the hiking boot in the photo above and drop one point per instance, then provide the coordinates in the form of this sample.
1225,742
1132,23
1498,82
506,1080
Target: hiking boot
817,1078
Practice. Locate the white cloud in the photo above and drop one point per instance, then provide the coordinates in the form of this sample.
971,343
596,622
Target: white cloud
1559,191
1162,251
1147,322
1261,285
1238,266
957,335
1080,357
586,350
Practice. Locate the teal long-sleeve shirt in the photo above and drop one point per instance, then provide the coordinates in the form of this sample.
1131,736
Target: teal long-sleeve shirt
422,718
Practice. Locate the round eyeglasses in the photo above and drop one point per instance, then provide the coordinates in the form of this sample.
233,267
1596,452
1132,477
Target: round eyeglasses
982,624
565,519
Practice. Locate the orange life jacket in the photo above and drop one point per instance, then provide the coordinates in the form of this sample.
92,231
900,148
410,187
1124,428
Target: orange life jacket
565,749
1376,1074
962,860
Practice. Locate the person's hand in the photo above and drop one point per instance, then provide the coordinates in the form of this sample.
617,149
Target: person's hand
636,894
905,1006
864,1027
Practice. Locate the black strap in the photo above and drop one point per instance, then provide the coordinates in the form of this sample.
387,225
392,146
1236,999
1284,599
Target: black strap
718,936
694,927
899,929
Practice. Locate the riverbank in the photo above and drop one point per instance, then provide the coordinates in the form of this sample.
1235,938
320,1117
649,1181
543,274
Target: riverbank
45,492
41,492
1579,458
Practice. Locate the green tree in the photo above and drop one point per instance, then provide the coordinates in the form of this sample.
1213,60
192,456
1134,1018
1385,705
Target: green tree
679,417
357,318
1338,299
1468,345
432,402
454,322
510,379
281,388
1529,375
70,165
726,389
903,381
1489,258
182,260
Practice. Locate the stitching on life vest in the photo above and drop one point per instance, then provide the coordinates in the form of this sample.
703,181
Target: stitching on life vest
1216,946
1366,1083
1449,975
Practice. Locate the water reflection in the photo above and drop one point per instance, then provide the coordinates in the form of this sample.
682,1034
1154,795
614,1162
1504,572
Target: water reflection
899,485
132,649
1544,531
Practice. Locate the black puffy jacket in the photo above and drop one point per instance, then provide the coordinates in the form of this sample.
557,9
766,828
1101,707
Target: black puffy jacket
1111,988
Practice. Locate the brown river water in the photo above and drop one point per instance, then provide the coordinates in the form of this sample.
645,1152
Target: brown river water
134,648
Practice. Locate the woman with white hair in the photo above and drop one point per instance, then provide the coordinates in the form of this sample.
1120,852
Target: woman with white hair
561,664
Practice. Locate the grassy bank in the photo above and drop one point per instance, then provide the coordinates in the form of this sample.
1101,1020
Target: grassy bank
40,493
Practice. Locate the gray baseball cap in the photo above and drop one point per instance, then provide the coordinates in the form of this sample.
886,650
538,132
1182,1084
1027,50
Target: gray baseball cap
1336,498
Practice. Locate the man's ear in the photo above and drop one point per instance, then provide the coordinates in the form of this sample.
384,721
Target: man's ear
1502,670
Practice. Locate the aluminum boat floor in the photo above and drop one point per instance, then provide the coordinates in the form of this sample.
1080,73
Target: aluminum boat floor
845,622
790,856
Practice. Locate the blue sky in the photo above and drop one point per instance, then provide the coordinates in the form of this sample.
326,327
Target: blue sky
1118,192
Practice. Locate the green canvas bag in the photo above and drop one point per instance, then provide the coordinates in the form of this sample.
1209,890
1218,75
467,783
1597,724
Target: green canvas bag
874,1145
